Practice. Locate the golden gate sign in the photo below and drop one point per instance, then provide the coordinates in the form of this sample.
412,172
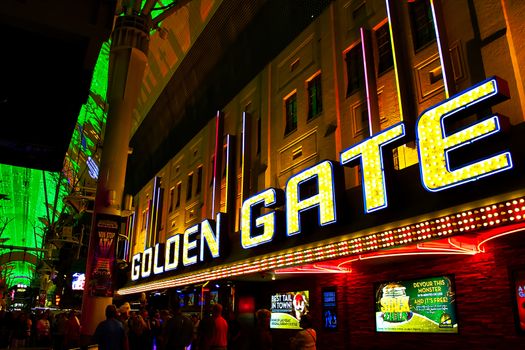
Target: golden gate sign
433,145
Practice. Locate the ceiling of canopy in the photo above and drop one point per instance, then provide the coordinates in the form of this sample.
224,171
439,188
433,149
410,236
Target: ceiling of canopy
52,91
53,88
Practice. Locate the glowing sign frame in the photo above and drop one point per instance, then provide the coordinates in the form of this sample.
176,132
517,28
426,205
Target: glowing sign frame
373,167
270,198
326,173
325,199
431,123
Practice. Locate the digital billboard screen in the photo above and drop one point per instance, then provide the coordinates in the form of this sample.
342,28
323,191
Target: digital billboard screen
214,297
78,281
329,308
519,289
424,305
288,308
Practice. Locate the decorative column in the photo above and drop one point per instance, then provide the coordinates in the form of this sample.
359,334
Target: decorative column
127,63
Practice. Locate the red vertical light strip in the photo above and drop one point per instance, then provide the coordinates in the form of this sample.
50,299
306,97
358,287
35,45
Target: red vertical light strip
148,220
228,164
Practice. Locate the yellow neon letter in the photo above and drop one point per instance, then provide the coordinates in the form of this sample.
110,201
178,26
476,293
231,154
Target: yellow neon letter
158,251
135,267
186,259
212,239
146,262
171,262
433,144
372,168
268,197
324,199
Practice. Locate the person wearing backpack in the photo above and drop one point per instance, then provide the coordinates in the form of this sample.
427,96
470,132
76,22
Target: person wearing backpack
178,333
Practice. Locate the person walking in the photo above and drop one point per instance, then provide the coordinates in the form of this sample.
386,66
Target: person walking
137,328
110,334
72,334
219,339
43,330
21,331
306,338
178,333
262,339
59,333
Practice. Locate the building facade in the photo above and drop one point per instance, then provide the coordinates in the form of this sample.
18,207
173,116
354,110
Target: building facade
375,153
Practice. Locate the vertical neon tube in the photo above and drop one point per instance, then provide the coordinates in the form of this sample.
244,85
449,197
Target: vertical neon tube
443,50
370,86
228,173
394,56
215,162
243,153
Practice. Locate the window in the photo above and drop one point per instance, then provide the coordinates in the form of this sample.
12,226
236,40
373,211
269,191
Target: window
354,70
258,135
224,160
212,170
241,155
199,180
145,218
365,122
171,199
290,103
421,22
190,186
384,49
179,189
249,114
315,98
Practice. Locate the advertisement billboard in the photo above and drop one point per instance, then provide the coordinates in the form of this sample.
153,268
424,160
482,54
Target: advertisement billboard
519,293
79,279
424,305
329,308
288,308
103,259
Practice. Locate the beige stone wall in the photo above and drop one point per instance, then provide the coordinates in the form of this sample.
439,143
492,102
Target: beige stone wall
498,37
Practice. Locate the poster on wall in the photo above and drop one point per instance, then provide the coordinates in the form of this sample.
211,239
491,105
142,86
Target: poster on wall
288,308
424,305
214,297
78,281
519,290
191,299
329,308
105,236
181,300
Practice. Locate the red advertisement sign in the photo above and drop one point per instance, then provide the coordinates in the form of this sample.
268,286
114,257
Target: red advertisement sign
101,283
519,287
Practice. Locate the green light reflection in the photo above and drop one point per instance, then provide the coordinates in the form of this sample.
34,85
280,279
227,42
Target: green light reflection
32,200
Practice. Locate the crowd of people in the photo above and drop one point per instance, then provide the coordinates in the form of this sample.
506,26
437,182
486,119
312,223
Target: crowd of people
21,329
124,329
145,329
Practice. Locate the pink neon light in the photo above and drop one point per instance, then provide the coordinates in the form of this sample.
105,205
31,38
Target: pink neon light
496,233
490,222
215,165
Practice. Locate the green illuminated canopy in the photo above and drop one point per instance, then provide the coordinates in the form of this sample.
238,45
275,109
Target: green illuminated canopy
32,200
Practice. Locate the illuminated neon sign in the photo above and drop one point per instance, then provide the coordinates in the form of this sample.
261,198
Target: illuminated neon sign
167,257
316,189
434,144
